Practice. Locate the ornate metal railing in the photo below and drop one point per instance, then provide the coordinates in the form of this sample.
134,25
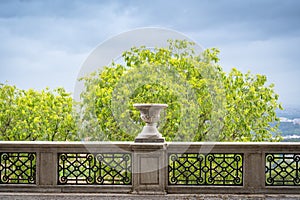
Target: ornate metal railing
150,167
282,169
205,169
17,168
94,169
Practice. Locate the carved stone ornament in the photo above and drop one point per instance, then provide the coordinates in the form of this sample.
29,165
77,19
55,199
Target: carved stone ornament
150,114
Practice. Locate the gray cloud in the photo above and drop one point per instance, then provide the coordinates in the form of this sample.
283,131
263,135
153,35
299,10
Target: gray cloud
43,43
247,19
41,46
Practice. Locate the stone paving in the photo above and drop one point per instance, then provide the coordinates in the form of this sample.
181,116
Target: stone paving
78,196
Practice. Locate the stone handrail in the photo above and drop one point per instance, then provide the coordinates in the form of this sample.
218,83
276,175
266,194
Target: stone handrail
150,168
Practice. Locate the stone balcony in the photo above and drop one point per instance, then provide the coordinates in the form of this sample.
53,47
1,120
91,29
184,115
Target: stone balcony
139,170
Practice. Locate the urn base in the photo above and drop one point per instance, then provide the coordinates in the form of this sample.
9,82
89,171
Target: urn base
149,134
150,140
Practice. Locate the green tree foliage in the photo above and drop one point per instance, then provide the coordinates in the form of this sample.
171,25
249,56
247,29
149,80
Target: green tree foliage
36,115
205,103
251,107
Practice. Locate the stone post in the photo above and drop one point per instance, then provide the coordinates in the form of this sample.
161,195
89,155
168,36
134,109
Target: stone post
149,168
150,154
254,171
48,169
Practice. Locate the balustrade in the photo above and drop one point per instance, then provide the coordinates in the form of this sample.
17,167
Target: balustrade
128,167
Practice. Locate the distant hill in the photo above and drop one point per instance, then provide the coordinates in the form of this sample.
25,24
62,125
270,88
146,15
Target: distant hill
290,123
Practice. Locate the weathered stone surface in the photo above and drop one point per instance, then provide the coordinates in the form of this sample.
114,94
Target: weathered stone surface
149,171
77,196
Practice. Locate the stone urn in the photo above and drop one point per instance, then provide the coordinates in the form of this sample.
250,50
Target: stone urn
150,114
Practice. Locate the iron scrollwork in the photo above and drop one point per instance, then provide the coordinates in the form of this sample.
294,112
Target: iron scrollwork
205,169
94,169
17,168
282,169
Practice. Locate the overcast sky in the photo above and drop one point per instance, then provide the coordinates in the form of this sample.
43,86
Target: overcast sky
43,43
